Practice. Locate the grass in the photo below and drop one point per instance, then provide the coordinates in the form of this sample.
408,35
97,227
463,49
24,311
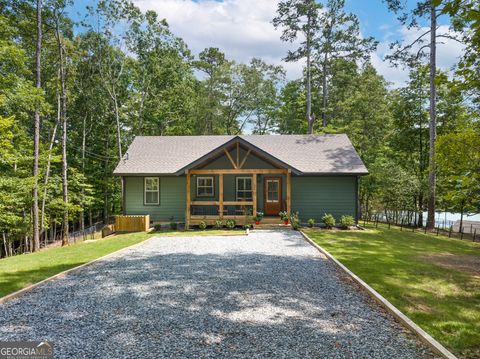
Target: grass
426,276
23,270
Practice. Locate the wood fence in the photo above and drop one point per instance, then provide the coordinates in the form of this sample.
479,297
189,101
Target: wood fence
132,223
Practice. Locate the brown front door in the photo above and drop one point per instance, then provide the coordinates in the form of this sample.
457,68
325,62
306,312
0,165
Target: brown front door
272,189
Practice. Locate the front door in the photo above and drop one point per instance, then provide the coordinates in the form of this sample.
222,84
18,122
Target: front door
272,195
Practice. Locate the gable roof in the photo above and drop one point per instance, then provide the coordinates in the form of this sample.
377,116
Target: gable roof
304,154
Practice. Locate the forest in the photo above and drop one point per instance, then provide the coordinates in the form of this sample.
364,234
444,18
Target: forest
74,94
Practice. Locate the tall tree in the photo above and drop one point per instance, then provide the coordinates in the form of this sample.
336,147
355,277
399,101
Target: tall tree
412,51
338,37
300,18
36,138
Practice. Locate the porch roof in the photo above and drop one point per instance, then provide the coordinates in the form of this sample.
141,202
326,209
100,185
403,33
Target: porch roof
304,154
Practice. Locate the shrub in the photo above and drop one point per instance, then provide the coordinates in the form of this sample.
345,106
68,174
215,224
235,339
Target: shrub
347,221
157,227
295,220
247,226
202,225
328,220
173,226
218,224
230,223
311,222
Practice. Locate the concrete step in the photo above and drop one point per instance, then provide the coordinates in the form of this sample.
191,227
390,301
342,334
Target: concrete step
272,226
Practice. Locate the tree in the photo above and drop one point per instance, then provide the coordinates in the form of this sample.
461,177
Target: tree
300,17
36,131
338,38
407,53
459,165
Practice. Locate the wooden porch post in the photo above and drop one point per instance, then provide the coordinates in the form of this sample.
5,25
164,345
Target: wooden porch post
187,208
289,191
220,195
254,194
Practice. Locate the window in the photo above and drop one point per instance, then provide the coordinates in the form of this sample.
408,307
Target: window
204,186
244,188
152,191
273,187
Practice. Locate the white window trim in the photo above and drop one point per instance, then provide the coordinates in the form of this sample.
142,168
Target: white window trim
213,186
150,191
278,191
236,186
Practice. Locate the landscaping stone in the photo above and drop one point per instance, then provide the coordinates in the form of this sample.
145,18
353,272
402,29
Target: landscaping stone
269,294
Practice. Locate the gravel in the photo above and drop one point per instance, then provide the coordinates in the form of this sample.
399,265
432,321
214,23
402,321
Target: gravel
269,294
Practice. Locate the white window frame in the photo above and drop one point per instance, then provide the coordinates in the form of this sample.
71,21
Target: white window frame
243,190
212,186
145,191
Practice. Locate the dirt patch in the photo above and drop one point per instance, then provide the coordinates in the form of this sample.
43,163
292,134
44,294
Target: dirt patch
462,262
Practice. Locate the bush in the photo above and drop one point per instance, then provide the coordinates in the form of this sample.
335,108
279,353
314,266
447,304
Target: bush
173,226
328,220
218,224
311,222
295,221
347,221
157,227
202,225
230,224
283,215
247,226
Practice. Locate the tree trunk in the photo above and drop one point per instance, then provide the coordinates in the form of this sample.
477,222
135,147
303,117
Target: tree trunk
63,115
324,91
36,135
47,169
432,175
420,210
308,84
461,219
82,211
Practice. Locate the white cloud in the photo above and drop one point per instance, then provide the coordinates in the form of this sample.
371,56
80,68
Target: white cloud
243,29
240,28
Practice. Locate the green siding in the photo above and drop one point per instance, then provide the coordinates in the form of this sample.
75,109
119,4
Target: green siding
172,199
314,196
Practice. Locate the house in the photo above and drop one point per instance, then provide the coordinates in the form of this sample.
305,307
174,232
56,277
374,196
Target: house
194,178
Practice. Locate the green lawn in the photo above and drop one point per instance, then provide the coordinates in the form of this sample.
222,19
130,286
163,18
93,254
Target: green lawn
20,271
433,280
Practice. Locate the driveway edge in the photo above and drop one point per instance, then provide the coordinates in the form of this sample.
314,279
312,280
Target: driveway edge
23,291
407,322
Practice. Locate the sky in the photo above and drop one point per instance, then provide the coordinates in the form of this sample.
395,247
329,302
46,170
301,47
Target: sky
242,29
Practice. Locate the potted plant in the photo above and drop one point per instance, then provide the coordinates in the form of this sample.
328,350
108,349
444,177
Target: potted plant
258,218
284,217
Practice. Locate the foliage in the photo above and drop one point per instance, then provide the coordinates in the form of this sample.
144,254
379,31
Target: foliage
173,226
202,225
230,223
157,227
218,224
295,220
259,216
311,222
328,220
347,221
284,216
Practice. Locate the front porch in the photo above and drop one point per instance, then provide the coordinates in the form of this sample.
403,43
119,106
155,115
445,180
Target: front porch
242,210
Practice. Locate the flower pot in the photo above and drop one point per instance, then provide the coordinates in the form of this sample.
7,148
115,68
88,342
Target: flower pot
285,221
257,222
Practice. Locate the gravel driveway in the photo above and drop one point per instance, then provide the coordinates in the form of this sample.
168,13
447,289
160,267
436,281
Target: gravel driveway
269,294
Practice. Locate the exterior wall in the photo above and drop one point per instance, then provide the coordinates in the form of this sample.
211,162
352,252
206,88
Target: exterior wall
172,199
312,197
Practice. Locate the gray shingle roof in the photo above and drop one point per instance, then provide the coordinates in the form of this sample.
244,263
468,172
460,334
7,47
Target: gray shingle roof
307,154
